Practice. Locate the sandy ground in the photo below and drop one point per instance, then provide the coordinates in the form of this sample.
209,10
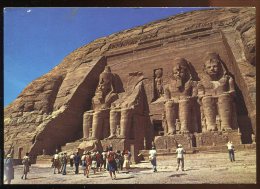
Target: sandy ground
201,168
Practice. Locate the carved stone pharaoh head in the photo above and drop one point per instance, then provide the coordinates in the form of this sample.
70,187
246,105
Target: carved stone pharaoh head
158,73
212,66
181,70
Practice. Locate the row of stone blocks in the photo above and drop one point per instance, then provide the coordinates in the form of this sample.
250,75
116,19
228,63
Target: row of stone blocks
216,138
162,153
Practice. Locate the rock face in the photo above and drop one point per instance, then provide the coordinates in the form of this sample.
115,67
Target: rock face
49,111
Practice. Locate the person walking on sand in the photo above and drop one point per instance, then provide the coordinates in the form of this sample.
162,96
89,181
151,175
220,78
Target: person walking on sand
26,165
111,163
64,161
152,158
126,164
231,150
180,157
88,163
76,161
72,159
8,169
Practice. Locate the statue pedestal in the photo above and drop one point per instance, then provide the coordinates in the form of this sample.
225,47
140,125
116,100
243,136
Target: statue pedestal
217,138
172,141
124,144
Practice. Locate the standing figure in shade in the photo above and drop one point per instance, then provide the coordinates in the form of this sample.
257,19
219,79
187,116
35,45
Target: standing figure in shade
99,161
94,162
64,161
126,164
180,157
83,163
152,158
72,159
111,163
8,169
56,162
88,163
76,161
104,157
26,165
231,150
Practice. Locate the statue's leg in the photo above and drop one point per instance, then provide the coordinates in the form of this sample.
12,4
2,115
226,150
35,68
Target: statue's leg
105,125
87,124
114,120
210,112
185,115
97,125
171,115
225,108
125,122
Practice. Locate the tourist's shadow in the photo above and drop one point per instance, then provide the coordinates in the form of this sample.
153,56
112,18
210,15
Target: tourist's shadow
178,175
122,178
35,178
191,169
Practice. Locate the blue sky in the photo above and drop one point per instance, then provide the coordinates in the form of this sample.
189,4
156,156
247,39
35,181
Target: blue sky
37,39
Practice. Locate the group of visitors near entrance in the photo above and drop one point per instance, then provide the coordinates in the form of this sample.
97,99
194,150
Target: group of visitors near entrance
108,160
93,161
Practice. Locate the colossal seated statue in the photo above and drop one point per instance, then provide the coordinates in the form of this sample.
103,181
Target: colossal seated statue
98,118
179,95
123,110
216,95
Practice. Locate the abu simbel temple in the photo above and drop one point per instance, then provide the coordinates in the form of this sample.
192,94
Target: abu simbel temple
188,79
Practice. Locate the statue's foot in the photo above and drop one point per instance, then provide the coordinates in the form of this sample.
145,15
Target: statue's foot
226,129
171,133
121,137
92,138
111,136
184,131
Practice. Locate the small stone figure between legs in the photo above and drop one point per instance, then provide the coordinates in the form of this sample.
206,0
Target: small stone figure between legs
180,157
8,169
26,166
152,158
231,150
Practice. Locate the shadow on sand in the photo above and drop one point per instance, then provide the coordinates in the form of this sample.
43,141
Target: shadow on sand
178,175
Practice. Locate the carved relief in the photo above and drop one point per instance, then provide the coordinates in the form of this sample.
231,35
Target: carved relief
158,83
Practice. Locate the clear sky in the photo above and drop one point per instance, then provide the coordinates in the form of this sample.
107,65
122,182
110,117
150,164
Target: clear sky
37,39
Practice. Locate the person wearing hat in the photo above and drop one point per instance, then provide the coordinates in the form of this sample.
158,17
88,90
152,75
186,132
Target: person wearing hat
64,161
61,160
152,158
180,157
83,162
231,150
126,164
94,162
77,159
8,169
26,165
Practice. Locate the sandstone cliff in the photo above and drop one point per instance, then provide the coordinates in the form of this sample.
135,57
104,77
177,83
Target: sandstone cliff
48,113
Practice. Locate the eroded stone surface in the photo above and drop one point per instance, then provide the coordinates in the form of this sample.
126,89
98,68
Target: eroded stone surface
49,111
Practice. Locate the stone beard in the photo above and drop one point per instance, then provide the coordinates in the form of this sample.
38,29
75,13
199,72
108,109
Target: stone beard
216,95
178,95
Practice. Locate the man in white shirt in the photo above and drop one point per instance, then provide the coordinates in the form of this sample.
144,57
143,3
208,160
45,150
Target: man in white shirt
180,157
231,150
152,158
